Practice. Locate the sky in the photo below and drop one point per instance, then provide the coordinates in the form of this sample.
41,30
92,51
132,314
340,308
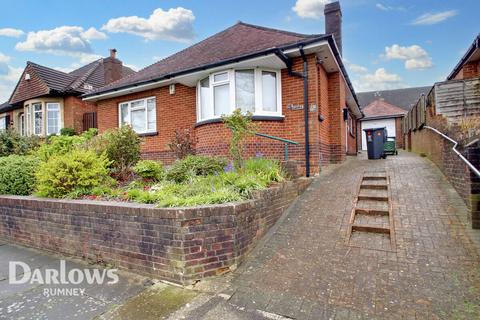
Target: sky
387,44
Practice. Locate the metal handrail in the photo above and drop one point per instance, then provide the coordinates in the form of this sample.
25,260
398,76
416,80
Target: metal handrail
455,143
286,141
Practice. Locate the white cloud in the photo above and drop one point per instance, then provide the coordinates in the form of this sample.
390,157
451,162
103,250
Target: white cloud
94,34
8,82
384,7
176,24
310,8
354,68
10,32
66,40
434,18
415,57
4,60
379,80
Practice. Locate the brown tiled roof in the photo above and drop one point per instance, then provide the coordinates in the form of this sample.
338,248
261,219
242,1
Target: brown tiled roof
402,98
4,107
239,40
45,80
94,75
382,109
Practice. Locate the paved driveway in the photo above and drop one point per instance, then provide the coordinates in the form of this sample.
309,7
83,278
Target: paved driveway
305,269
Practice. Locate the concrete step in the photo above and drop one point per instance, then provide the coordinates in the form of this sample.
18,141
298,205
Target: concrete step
366,205
384,178
373,220
372,194
368,228
374,186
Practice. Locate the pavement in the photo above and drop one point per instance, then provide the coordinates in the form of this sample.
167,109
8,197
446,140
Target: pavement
304,268
36,299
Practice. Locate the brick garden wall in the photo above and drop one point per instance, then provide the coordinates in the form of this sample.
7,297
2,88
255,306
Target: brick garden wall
178,244
439,150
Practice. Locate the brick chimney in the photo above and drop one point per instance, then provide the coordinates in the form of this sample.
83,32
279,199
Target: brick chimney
333,22
112,67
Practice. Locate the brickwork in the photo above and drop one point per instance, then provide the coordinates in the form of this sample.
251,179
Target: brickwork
439,150
398,133
180,245
73,111
327,138
469,70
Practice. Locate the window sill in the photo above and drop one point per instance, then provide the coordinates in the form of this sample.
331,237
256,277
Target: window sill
254,118
148,134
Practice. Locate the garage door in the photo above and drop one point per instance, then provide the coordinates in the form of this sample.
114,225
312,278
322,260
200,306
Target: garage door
369,124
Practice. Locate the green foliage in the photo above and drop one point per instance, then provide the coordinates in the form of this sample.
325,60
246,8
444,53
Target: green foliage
242,127
67,132
192,166
149,169
13,143
222,187
182,143
60,145
122,147
17,174
74,173
266,170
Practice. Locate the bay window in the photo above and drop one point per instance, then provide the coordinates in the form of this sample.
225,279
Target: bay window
53,118
253,90
141,115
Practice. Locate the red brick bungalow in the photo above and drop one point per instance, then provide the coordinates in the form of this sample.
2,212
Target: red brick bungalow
46,100
272,73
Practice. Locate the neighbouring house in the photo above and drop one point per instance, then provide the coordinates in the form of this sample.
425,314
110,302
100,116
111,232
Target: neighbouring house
380,114
387,109
295,85
46,100
469,65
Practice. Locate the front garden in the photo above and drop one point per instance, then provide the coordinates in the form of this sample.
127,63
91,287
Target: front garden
108,167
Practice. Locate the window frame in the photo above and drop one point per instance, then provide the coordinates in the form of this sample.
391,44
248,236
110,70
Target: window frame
58,118
129,113
21,121
258,108
34,112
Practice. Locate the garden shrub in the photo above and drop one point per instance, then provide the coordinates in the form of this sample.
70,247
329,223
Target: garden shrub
122,147
264,169
13,143
242,127
59,145
149,169
17,174
182,144
75,172
191,166
67,132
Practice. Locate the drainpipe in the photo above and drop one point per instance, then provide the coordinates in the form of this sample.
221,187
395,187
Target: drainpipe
303,75
305,112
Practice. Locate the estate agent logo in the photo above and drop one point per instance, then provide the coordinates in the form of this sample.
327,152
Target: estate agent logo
20,273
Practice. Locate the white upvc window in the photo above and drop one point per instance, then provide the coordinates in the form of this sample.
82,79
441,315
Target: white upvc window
254,90
37,119
140,114
28,120
21,122
53,118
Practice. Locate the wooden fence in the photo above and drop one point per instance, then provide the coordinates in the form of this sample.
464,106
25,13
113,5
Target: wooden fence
454,99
